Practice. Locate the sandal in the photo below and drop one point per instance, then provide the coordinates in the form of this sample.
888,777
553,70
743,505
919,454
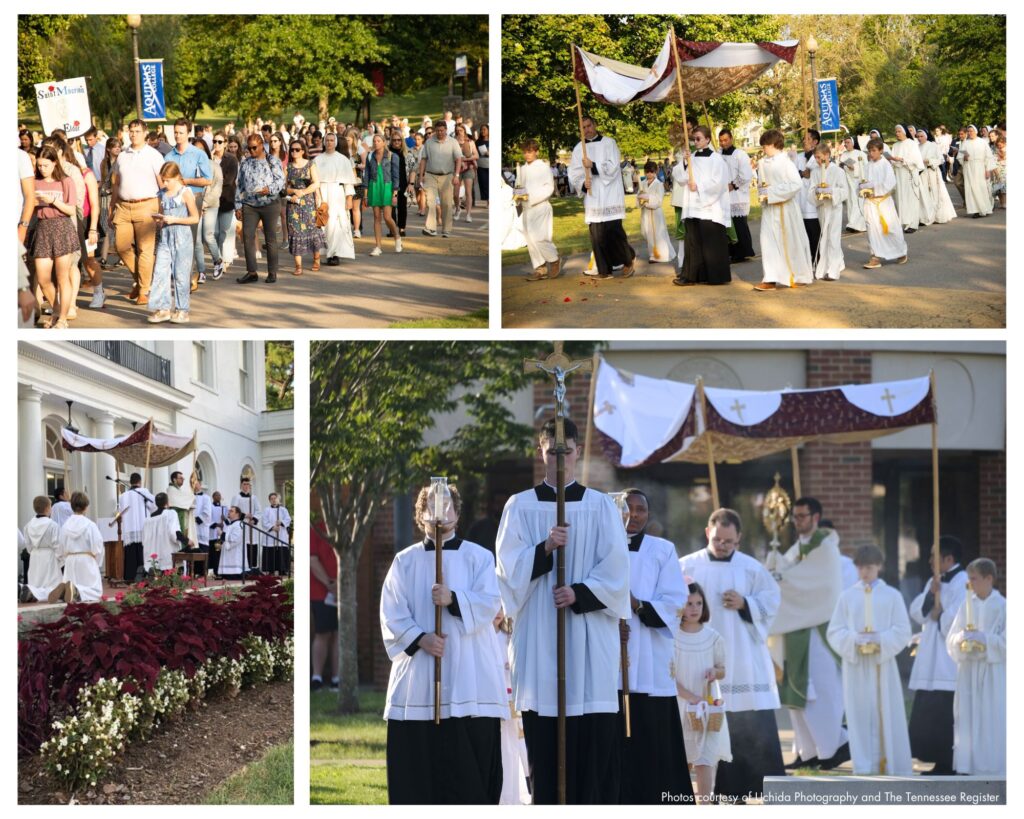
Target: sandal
316,263
297,271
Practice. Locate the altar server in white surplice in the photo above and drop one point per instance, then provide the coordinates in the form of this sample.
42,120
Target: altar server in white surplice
233,561
162,535
534,178
785,249
740,175
885,233
596,597
276,545
980,703
80,549
134,506
248,504
743,599
828,178
876,715
41,535
704,207
853,162
459,760
61,509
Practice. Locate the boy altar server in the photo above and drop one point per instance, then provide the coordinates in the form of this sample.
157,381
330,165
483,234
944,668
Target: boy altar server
885,233
80,549
41,534
868,629
980,703
459,760
827,178
534,177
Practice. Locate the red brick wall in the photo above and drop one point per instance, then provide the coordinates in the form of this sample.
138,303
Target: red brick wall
378,552
839,475
992,511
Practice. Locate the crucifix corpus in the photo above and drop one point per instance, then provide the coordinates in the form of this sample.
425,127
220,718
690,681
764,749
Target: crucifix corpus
558,365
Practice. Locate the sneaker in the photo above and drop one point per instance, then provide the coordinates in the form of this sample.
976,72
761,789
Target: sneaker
315,684
335,684
458,213
202,278
596,274
159,316
872,263
427,232
538,274
376,251
901,260
358,234
445,236
469,217
218,270
98,299
398,244
179,317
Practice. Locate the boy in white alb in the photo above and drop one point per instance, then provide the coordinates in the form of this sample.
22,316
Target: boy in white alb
80,549
41,534
885,232
534,179
828,179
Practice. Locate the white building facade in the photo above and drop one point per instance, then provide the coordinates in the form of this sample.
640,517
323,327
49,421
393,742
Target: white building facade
215,389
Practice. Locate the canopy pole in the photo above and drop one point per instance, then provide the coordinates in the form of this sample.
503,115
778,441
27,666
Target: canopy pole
795,460
149,447
711,452
936,556
711,125
803,82
682,106
590,419
579,113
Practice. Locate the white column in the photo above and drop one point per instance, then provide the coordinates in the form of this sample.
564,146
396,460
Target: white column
105,501
267,484
31,480
161,477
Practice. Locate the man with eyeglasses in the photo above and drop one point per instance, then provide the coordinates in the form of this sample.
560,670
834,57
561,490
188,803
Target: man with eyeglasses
440,162
810,577
257,199
744,599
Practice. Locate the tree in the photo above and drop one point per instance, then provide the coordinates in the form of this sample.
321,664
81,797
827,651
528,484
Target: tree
371,404
199,80
280,366
36,33
970,51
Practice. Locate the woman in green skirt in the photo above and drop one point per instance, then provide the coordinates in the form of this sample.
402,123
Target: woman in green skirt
382,173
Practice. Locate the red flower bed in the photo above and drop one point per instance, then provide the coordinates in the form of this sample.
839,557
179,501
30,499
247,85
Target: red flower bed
134,643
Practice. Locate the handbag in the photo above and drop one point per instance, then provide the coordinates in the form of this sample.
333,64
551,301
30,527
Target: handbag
323,214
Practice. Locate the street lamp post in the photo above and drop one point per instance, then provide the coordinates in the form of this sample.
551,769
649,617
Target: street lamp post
134,21
812,48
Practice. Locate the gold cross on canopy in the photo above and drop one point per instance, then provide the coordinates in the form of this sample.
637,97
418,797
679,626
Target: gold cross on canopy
606,407
737,408
887,397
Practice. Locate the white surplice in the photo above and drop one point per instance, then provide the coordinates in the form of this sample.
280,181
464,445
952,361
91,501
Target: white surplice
159,537
250,506
854,165
652,221
606,201
979,705
785,248
80,549
885,232
749,683
60,512
44,575
337,180
830,261
934,669
233,559
740,175
472,678
596,556
802,162
135,505
276,521
656,580
538,221
204,517
908,182
871,682
975,159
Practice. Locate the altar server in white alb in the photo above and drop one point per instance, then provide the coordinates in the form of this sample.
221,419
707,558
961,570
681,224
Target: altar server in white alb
705,206
650,199
931,180
595,597
248,504
80,549
810,577
204,516
933,677
977,162
654,756
41,534
785,249
233,562
61,510
885,233
806,162
276,548
743,599
604,200
458,761
907,165
977,643
853,163
134,506
162,535
337,185
534,179
828,181
740,175
868,629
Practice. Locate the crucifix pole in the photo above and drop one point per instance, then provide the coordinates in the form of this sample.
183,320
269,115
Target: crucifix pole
559,366
936,556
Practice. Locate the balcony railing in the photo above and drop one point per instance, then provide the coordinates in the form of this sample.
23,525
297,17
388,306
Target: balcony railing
133,357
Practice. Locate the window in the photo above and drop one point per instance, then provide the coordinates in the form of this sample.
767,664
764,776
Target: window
202,363
53,458
245,374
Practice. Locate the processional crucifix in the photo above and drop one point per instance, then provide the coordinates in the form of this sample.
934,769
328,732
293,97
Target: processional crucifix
559,366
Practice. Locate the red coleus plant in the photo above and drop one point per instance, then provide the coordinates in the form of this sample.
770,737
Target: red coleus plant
133,644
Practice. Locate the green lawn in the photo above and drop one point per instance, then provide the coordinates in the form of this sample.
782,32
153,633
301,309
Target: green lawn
571,234
469,321
347,751
270,781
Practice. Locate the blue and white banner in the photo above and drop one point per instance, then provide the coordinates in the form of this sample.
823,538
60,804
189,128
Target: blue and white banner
65,105
828,103
461,66
151,81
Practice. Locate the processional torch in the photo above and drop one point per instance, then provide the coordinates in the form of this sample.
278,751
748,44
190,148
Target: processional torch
440,504
620,502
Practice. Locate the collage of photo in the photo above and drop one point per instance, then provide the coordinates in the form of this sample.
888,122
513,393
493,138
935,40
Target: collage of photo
661,462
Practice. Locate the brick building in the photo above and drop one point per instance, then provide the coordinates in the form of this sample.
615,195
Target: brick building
873,492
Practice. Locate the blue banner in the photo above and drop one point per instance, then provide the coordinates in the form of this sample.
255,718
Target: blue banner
151,81
828,104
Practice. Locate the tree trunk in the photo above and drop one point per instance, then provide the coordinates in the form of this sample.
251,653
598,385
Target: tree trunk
323,112
348,660
480,75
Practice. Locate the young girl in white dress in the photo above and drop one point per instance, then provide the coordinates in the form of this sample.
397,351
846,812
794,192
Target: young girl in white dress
699,662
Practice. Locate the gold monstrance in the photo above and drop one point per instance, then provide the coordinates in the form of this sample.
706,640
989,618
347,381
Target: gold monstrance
775,513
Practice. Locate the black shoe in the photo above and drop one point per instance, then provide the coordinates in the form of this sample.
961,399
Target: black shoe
683,283
316,685
813,762
841,755
271,278
26,596
333,261
247,278
910,230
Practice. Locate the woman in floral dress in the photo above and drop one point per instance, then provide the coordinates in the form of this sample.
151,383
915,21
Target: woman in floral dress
302,189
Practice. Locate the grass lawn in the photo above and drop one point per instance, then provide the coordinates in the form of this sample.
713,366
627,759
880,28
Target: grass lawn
270,781
571,234
468,321
347,751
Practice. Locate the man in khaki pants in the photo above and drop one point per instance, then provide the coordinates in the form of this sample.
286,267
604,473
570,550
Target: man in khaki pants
440,161
135,189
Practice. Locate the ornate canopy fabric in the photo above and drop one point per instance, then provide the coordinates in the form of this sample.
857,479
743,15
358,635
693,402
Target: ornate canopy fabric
164,448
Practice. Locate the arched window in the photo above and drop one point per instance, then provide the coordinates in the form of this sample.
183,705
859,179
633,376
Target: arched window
53,456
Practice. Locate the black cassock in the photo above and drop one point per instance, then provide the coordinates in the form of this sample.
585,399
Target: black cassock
591,758
654,757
